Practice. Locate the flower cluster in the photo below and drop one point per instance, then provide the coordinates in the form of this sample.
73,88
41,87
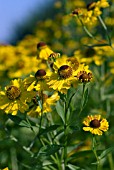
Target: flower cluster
64,72
91,12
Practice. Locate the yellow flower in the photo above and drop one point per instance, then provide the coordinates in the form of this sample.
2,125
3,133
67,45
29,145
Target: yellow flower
46,100
38,82
84,75
95,124
44,51
63,75
15,97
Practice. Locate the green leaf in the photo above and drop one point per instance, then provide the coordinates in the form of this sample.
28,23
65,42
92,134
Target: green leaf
24,123
106,152
19,121
15,119
49,149
85,97
47,162
71,92
60,110
75,128
59,132
49,129
73,167
80,154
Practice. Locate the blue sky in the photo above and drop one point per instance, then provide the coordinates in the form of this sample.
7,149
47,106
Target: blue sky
13,12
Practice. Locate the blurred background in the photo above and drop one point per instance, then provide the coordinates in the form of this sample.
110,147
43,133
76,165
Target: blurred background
18,18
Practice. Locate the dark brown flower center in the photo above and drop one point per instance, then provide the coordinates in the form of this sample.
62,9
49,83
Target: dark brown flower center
41,44
95,123
91,6
83,76
40,74
65,71
76,11
90,52
13,92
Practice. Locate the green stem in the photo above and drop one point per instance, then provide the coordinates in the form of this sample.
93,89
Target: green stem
106,30
102,90
85,28
87,31
65,134
82,100
95,152
110,158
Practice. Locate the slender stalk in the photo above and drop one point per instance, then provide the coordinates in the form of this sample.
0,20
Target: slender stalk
102,90
65,134
106,30
95,152
110,158
85,29
82,100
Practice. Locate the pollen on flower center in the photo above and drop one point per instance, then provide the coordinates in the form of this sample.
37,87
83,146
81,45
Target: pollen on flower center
13,92
65,71
83,76
40,74
95,123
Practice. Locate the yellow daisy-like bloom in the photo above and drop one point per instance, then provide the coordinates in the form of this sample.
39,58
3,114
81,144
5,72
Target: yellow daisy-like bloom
44,51
95,124
38,82
84,75
15,97
47,101
63,75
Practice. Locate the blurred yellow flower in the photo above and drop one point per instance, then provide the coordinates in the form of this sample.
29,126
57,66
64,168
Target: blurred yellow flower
95,124
44,51
94,54
7,57
15,97
89,15
46,102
